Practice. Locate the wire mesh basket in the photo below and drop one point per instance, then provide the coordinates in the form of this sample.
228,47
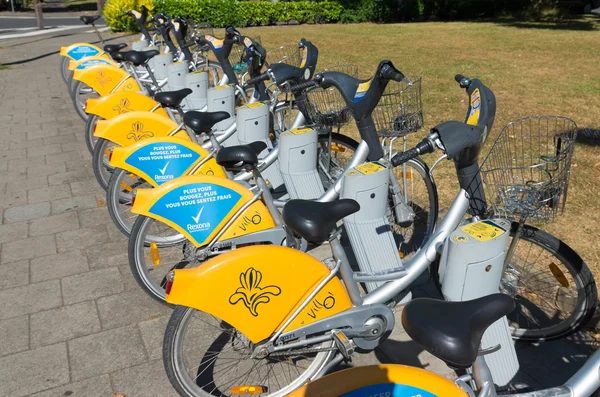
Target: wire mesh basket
526,173
196,29
236,55
288,54
325,106
400,109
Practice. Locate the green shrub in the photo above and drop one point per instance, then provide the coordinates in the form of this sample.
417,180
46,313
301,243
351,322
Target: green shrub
114,9
220,13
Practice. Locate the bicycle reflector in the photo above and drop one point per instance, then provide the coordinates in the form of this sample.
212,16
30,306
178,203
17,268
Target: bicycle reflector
154,254
336,148
559,275
170,279
246,389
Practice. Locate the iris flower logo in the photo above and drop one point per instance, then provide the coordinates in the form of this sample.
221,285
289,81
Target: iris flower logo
137,132
122,107
102,79
251,293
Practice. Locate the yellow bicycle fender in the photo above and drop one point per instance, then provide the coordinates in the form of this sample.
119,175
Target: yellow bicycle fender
105,79
118,103
159,160
196,206
80,50
389,380
256,288
254,219
133,127
83,63
211,168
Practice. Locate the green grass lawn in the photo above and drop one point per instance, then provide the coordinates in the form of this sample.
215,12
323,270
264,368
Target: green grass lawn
533,68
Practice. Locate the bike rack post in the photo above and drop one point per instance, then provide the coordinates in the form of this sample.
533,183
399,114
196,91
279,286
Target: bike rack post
37,6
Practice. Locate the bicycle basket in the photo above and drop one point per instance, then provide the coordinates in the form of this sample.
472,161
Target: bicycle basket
326,107
400,109
526,173
198,30
288,54
236,55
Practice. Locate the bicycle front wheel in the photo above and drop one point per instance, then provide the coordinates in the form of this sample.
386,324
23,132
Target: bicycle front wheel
80,93
64,69
204,356
554,289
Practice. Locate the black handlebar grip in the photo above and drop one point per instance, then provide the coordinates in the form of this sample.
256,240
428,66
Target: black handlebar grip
459,78
403,157
391,73
257,79
303,86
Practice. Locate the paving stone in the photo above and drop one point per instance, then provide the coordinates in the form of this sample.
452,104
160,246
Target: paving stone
21,164
91,285
13,231
12,154
62,157
13,198
67,177
108,255
3,165
78,165
71,146
32,298
27,212
153,332
34,370
94,387
82,238
60,139
148,379
36,133
28,248
73,204
14,274
64,323
129,308
94,216
49,193
58,266
27,184
44,150
13,176
82,188
106,352
23,144
54,224
14,335
50,169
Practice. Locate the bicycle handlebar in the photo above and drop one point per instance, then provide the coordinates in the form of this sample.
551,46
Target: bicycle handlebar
423,147
255,80
391,73
303,86
464,82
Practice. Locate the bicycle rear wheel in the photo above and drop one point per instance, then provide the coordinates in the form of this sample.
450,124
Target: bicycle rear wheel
204,356
100,162
554,289
64,69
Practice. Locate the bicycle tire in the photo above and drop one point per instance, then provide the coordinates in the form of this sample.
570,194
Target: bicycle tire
98,163
64,69
76,101
90,126
587,294
174,363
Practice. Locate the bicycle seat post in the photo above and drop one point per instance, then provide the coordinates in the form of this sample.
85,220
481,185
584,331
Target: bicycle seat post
98,33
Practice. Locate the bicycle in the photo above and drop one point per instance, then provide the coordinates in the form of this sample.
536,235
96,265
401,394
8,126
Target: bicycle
298,321
453,336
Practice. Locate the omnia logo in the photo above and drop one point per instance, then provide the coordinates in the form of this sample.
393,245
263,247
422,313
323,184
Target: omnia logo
197,226
162,176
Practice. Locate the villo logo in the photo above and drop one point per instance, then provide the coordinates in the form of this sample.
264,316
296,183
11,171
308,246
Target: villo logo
162,176
197,226
137,132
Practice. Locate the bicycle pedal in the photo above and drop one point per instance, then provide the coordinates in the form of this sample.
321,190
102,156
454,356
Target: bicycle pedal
343,344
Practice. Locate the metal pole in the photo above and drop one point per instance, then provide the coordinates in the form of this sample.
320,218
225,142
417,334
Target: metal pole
100,5
12,5
37,6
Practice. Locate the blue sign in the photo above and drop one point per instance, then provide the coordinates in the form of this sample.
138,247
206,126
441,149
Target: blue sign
82,51
92,63
197,208
163,161
389,390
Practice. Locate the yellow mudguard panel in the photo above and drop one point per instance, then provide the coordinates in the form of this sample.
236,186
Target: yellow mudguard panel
159,159
104,79
132,127
86,62
254,219
255,289
118,103
388,380
196,206
210,167
78,51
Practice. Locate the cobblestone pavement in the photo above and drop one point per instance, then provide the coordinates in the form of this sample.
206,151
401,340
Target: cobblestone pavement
72,320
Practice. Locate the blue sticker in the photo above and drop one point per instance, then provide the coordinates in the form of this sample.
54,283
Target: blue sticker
388,390
163,161
92,63
197,208
82,51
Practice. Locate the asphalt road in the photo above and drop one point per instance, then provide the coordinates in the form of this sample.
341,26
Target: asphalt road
7,22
